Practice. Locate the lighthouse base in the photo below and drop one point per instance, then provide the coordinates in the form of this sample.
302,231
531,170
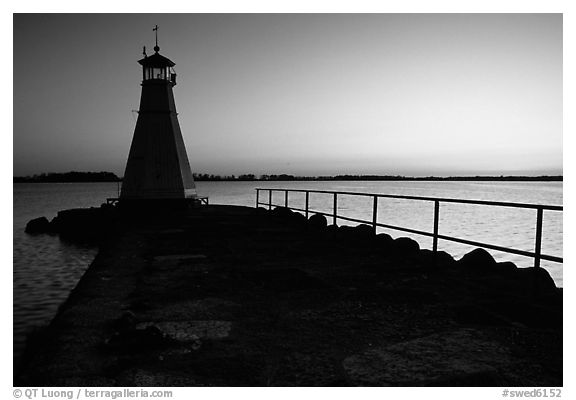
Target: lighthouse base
157,206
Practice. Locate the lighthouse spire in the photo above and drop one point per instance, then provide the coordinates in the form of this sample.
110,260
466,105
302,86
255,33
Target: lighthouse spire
156,48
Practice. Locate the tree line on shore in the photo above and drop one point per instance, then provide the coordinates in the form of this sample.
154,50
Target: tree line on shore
75,176
65,177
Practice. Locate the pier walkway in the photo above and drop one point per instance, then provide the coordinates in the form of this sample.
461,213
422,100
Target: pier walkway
237,296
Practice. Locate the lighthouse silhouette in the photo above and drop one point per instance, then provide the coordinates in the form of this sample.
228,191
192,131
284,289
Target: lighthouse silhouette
157,166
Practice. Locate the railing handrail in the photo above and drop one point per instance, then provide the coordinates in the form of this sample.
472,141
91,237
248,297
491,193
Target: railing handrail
441,199
537,254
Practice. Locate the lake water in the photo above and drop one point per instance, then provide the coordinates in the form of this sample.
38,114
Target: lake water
45,269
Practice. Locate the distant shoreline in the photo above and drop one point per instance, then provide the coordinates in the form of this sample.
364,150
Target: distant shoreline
68,177
86,177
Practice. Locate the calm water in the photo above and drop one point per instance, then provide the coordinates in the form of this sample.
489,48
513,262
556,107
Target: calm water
46,269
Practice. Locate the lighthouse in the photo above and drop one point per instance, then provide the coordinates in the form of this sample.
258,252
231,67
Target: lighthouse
157,166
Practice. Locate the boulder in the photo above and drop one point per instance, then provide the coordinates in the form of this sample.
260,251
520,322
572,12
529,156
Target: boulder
436,259
405,246
360,235
536,281
506,266
38,225
283,212
477,259
383,241
444,258
332,230
317,222
345,232
364,232
81,224
298,219
527,283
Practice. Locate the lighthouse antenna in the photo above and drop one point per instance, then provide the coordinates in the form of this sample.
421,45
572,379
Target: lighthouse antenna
156,48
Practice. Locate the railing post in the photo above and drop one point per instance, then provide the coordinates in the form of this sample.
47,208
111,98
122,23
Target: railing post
436,215
307,198
375,213
257,197
269,199
335,208
286,198
538,246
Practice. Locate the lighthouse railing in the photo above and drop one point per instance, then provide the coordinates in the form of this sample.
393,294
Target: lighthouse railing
435,233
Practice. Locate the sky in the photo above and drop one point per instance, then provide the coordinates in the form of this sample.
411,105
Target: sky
302,94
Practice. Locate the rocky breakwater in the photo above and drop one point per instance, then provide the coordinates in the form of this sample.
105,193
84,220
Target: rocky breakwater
236,296
82,224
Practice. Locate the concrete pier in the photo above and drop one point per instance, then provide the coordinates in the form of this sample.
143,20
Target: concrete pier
235,296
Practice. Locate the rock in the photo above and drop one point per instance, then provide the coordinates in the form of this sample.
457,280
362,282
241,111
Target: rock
444,259
506,266
477,259
86,224
405,246
364,232
383,241
298,219
359,236
81,223
536,281
38,225
283,212
332,230
345,232
482,261
317,222
438,259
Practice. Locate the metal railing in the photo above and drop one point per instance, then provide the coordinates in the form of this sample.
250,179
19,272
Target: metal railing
537,254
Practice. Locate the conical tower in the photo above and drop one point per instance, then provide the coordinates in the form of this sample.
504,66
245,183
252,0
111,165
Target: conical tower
157,166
